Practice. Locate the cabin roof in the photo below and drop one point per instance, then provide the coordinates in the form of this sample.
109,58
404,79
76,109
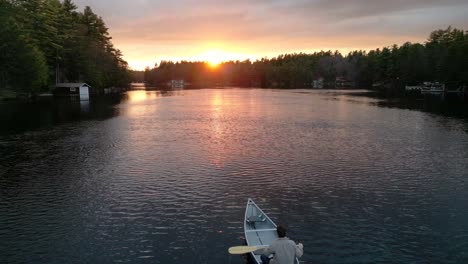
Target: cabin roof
72,85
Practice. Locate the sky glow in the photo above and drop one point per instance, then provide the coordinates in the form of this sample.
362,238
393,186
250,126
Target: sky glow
148,31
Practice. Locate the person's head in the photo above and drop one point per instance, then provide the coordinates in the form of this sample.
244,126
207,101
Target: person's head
281,230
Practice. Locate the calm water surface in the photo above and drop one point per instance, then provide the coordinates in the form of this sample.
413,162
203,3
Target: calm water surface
164,177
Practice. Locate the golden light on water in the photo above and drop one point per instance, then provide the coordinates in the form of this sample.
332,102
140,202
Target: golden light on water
138,96
219,130
217,100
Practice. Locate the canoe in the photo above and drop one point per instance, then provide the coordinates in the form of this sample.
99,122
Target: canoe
259,229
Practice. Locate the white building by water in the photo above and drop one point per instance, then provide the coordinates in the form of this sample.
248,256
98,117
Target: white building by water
81,90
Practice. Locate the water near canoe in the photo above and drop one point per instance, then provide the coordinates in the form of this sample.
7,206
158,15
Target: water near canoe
163,177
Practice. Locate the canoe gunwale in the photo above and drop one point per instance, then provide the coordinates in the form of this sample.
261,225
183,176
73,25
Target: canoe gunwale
261,230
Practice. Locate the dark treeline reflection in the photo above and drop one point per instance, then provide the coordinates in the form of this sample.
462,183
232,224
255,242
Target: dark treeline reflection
20,116
48,41
443,58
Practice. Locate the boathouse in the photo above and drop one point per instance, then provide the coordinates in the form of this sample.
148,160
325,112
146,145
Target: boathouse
176,84
318,83
81,90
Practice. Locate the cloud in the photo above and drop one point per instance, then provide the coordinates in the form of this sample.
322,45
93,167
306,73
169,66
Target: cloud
244,19
268,26
340,9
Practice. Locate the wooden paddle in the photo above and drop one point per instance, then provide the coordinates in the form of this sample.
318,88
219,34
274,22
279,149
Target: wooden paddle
238,250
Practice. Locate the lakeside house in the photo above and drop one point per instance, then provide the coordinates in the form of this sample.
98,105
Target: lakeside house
343,82
318,83
176,84
435,88
81,90
427,88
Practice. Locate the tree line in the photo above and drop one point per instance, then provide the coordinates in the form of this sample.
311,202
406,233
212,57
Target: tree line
43,42
443,58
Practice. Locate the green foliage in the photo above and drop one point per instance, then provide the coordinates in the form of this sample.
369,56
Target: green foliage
23,66
33,78
48,41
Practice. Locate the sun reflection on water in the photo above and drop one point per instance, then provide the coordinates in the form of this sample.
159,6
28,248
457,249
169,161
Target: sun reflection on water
223,112
138,96
137,103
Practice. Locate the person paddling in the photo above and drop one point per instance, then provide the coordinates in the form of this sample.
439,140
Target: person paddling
284,250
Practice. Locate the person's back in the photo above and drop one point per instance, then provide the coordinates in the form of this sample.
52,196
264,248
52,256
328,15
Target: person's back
285,250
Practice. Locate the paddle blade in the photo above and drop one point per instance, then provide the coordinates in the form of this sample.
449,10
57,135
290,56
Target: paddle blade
242,249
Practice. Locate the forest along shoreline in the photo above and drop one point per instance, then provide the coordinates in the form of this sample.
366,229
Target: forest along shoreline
388,70
45,43
50,42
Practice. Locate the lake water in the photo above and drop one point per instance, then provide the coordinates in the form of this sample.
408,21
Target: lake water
163,177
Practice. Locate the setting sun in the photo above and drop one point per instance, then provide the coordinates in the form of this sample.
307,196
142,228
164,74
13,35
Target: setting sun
213,64
214,57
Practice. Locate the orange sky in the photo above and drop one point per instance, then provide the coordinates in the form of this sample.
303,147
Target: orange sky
148,31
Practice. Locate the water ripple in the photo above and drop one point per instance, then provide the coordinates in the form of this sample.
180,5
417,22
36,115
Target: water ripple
166,180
